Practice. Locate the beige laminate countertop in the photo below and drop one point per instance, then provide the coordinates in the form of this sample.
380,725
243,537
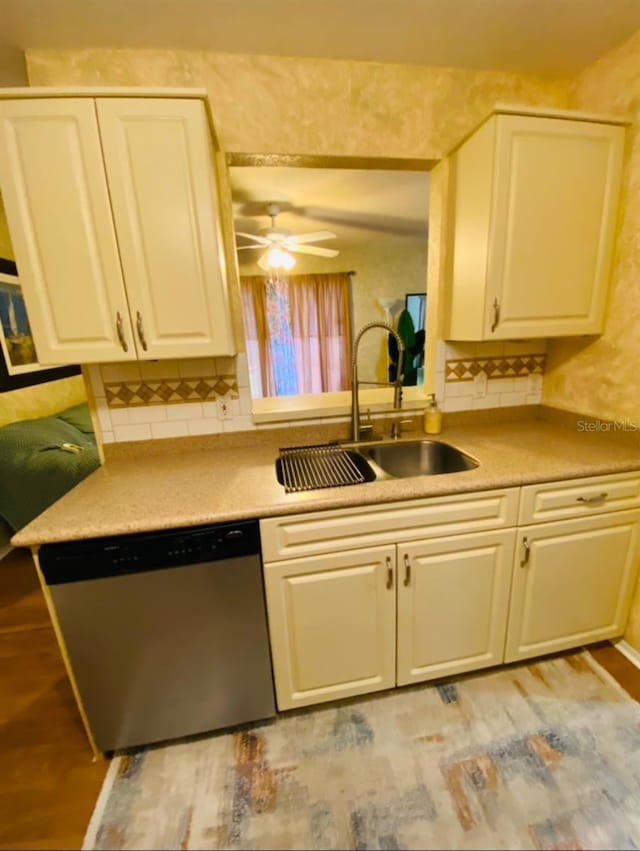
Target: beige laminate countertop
191,488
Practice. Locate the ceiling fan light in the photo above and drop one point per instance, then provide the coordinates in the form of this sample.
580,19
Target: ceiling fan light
276,258
288,261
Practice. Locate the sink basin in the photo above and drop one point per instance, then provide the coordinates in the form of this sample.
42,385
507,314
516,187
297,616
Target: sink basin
419,458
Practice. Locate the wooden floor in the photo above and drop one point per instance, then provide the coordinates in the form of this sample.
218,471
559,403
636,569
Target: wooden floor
48,781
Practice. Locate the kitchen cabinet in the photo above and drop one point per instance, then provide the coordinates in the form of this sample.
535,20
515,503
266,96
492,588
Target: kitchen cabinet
575,566
346,619
453,601
447,584
533,209
332,622
113,211
573,583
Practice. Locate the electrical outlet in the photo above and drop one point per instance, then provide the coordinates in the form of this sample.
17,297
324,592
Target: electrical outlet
535,383
480,383
224,409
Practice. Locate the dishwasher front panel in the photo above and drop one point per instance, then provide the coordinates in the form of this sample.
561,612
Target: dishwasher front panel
171,652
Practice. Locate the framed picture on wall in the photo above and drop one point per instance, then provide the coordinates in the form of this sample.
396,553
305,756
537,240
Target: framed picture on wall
19,365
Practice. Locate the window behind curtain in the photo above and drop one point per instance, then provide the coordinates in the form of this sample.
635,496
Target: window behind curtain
298,331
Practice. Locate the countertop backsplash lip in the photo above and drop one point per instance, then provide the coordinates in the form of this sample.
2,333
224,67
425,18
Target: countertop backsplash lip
213,481
300,435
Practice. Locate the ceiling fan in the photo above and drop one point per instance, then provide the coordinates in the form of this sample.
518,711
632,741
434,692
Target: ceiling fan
279,244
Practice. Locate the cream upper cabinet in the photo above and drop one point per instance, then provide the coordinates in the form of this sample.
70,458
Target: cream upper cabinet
572,584
113,209
57,204
453,601
158,159
532,221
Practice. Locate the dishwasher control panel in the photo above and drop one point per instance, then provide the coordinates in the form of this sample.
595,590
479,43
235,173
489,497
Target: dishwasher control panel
118,555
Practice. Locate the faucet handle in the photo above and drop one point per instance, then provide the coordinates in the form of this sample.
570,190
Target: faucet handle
396,427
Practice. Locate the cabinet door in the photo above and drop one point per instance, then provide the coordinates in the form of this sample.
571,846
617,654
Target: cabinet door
554,210
57,204
332,622
159,162
572,583
453,599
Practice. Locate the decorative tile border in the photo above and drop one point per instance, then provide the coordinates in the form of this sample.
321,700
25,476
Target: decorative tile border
169,391
466,369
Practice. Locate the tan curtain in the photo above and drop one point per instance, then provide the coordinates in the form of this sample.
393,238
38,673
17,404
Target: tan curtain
317,310
321,329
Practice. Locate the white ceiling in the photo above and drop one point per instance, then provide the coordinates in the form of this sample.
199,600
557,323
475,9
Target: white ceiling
356,204
551,37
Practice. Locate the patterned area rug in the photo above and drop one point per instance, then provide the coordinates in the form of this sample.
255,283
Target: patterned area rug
540,756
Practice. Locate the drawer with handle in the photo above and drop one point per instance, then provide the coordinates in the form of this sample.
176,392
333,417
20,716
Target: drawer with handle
579,497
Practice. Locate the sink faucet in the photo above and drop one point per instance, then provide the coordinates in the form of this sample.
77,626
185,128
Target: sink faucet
397,384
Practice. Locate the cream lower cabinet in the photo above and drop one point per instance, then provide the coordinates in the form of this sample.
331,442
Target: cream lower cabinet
332,621
333,624
453,602
419,602
447,584
113,210
572,583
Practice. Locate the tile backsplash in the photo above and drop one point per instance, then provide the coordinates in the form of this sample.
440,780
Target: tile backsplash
171,398
472,376
179,398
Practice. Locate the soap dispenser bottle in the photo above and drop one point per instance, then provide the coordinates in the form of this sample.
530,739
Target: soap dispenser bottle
432,416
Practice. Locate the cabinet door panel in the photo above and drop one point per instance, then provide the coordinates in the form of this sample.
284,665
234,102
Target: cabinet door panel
57,204
576,585
453,598
554,213
159,164
332,625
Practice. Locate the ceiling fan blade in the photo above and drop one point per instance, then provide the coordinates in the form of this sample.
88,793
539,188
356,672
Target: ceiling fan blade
257,247
311,249
259,239
316,236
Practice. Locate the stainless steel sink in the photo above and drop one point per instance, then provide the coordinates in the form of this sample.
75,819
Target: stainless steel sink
419,458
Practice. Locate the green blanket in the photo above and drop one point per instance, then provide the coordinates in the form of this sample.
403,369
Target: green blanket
40,460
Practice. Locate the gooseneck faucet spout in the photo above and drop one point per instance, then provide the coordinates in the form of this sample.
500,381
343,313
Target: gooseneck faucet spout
397,384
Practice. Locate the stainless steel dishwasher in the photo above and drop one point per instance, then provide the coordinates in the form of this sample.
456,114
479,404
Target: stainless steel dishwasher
166,632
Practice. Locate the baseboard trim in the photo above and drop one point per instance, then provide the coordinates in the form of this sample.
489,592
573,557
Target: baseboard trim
627,650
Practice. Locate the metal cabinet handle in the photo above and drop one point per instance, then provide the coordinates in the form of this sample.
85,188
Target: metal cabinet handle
143,341
407,570
527,552
120,330
496,315
389,573
593,500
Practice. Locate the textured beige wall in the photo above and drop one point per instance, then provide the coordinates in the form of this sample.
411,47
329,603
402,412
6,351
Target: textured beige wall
6,248
311,106
600,376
